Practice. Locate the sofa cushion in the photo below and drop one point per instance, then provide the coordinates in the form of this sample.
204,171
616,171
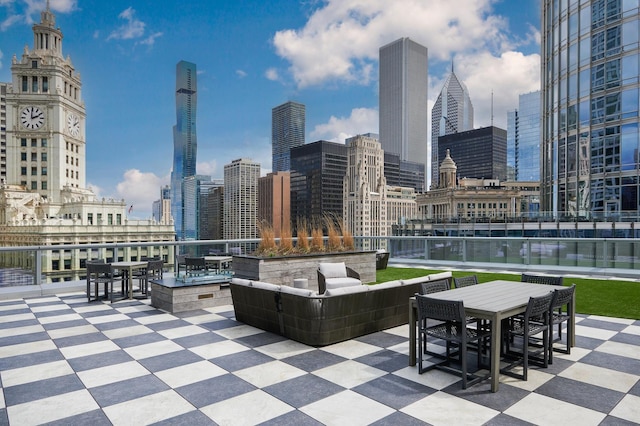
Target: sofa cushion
342,282
418,280
241,281
346,290
388,284
296,291
333,270
265,286
441,276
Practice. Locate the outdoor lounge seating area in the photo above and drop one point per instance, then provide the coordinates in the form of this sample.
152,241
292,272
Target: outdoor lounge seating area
128,363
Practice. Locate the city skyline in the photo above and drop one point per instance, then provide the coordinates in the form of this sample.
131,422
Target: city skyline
127,58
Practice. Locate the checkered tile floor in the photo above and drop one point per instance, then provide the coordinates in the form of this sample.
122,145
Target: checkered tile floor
64,361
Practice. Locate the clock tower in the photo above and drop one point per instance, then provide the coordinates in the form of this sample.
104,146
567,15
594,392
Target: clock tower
46,118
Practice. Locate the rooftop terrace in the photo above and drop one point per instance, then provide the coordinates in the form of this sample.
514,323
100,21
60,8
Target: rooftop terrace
66,361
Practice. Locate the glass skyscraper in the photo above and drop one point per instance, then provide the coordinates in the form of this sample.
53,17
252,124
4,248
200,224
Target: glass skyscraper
287,131
590,55
523,139
185,144
452,113
403,91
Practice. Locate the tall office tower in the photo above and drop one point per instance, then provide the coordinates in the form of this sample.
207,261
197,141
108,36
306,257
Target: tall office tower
192,189
3,132
317,172
479,153
403,100
185,143
287,131
214,205
590,108
162,208
523,139
241,199
452,113
274,201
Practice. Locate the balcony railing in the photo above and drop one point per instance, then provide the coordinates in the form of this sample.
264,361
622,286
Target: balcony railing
48,264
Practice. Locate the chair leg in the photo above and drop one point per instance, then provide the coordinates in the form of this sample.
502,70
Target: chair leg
463,361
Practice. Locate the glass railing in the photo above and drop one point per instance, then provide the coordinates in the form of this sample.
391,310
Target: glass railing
42,265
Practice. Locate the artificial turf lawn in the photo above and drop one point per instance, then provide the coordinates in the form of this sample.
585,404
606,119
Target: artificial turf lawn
610,297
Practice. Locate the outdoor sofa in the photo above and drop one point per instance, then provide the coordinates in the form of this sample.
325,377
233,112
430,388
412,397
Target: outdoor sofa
322,319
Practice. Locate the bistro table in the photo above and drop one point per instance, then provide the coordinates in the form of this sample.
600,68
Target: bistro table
127,268
493,301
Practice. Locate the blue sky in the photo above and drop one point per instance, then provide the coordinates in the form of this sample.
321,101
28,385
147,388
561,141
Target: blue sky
253,55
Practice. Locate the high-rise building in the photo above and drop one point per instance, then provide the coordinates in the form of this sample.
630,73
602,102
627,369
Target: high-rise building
185,143
371,207
43,198
523,139
452,113
287,131
274,201
403,109
241,199
161,210
479,153
214,207
590,118
317,172
192,189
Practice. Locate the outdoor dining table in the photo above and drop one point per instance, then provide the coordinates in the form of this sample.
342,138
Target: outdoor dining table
127,268
493,301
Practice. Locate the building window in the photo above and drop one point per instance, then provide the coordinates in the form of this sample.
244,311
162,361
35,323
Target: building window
44,171
34,156
23,156
34,171
43,156
118,219
23,171
25,83
43,143
34,143
23,142
90,218
34,84
34,185
99,218
34,64
44,184
110,219
45,84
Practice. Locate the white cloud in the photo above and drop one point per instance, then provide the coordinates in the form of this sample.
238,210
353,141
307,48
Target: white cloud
140,190
361,120
241,73
340,40
506,76
272,74
150,40
209,168
132,27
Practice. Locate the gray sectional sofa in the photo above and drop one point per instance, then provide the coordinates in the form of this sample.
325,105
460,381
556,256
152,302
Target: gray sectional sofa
334,316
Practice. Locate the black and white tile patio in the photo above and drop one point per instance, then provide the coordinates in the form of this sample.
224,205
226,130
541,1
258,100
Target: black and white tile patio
65,361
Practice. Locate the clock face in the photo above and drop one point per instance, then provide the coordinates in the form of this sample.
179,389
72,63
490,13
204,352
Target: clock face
32,117
73,124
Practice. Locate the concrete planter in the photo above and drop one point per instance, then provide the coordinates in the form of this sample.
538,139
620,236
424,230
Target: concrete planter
282,270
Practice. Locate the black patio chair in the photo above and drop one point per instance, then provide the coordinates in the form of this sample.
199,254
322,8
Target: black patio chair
524,329
452,328
465,281
103,273
559,313
541,279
